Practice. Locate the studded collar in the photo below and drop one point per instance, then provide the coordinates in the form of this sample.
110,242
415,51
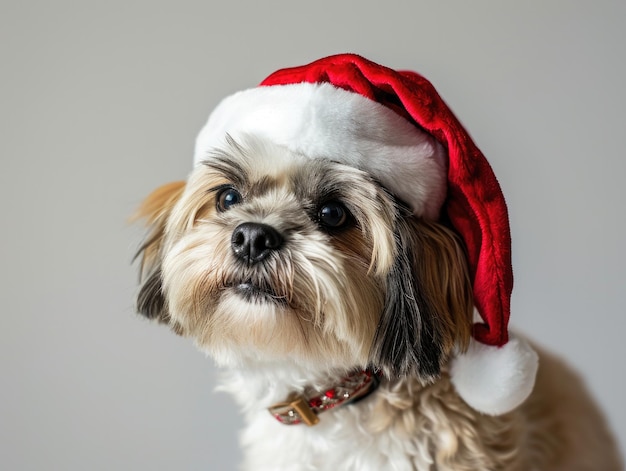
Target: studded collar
305,407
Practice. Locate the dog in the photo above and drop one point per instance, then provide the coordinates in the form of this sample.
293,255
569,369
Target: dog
337,312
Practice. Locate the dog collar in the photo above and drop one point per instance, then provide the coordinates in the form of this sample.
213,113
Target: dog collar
305,407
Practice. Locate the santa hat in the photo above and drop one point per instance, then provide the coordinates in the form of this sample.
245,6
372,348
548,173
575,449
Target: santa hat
394,125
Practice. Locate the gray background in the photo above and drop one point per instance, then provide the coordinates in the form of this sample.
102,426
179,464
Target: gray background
100,103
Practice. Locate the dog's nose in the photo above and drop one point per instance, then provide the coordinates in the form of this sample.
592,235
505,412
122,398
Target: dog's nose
252,242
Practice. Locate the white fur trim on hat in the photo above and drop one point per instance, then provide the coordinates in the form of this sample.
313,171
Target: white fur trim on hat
321,120
495,380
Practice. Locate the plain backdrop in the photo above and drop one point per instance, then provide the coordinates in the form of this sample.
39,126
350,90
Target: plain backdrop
100,103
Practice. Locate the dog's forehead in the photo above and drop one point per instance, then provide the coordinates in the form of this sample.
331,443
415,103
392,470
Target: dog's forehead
259,167
308,178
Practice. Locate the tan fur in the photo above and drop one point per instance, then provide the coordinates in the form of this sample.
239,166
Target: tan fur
565,424
557,429
154,211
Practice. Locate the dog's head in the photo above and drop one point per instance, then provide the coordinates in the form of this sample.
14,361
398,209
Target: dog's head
320,235
265,255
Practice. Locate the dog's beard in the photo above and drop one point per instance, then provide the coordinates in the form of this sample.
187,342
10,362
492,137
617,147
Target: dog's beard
299,304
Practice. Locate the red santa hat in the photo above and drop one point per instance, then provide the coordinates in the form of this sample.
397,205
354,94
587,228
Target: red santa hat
394,125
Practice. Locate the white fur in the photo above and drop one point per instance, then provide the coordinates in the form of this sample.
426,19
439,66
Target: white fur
320,120
340,441
495,380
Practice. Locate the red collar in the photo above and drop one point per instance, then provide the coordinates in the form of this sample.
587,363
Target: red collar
305,407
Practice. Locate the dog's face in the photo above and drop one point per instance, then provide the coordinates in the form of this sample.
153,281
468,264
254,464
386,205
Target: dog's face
267,255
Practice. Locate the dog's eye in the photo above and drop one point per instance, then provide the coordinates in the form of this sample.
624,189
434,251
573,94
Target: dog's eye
333,215
227,198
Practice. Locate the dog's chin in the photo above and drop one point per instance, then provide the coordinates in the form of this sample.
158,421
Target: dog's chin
248,324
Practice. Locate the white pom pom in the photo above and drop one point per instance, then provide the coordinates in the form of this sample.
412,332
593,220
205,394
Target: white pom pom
495,380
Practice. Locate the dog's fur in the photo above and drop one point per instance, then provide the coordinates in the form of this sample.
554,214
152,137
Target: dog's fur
385,290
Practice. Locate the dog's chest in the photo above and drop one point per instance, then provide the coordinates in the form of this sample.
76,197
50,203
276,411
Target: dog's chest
343,439
401,426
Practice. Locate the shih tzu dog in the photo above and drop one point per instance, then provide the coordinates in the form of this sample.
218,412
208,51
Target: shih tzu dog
341,249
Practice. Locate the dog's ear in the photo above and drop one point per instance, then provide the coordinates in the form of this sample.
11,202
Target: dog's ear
155,211
429,303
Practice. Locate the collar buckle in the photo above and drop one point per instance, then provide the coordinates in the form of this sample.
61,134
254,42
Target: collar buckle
294,411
